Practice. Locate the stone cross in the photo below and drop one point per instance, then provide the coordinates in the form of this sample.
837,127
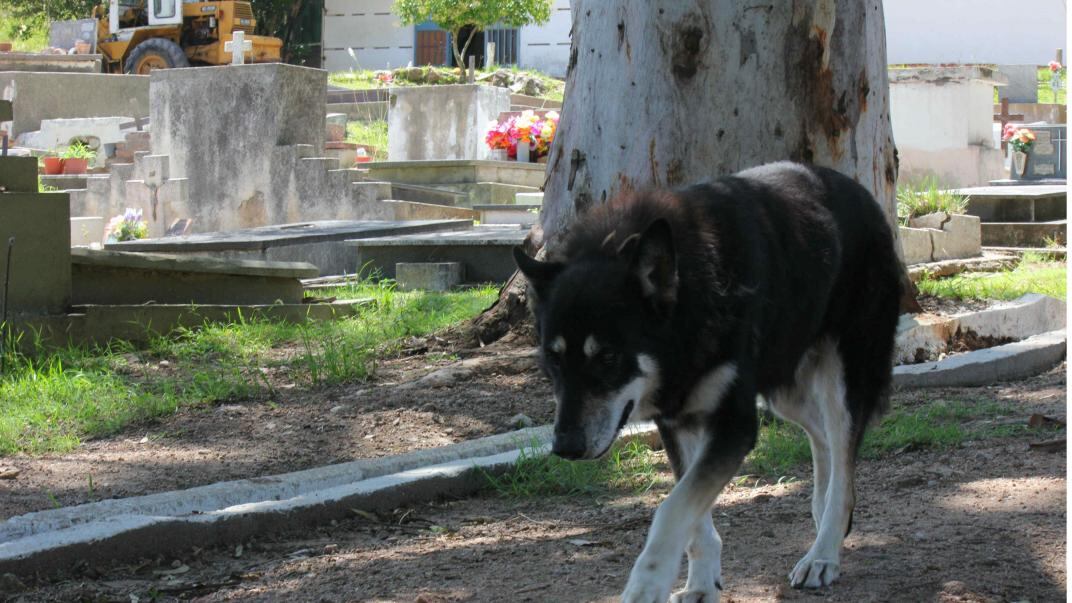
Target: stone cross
1005,117
238,47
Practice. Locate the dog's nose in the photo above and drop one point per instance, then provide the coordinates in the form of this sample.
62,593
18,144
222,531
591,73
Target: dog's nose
569,445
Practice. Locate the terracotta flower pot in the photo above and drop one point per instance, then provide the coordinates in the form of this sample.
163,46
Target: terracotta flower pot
53,165
75,166
5,46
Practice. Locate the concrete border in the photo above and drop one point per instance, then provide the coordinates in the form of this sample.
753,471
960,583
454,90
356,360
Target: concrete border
229,512
982,367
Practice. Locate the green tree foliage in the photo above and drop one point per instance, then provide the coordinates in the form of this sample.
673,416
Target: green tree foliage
453,16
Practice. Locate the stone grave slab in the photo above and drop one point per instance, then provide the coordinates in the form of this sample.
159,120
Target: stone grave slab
321,243
484,251
1016,203
508,214
461,171
39,226
119,278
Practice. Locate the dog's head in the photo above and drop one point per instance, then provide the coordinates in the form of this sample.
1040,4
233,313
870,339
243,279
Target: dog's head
600,317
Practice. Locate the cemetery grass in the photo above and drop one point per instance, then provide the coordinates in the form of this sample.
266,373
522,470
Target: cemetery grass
365,79
372,133
1033,274
977,520
52,401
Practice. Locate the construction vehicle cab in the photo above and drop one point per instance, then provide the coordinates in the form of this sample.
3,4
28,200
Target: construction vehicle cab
137,36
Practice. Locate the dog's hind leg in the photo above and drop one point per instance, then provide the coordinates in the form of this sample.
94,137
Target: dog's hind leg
705,546
822,565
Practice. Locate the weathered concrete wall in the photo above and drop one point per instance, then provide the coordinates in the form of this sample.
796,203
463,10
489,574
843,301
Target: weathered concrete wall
248,141
943,126
40,279
442,122
40,96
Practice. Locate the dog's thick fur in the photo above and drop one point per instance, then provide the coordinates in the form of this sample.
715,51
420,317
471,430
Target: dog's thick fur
781,283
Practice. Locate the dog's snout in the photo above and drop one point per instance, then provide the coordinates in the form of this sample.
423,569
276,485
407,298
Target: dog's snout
569,445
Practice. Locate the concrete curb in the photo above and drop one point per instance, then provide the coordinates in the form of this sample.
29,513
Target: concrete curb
1001,363
230,512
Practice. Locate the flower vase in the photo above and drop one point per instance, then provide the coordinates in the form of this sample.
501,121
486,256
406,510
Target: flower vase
523,152
499,155
1019,162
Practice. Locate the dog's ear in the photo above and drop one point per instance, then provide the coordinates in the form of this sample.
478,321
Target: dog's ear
539,274
655,264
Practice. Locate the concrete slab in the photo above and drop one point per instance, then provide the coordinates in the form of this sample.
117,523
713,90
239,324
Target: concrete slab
87,230
1024,234
438,276
461,171
412,210
116,277
525,215
319,243
92,324
18,174
40,278
229,512
1016,203
983,367
486,251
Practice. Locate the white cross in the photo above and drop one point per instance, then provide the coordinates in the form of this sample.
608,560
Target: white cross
238,40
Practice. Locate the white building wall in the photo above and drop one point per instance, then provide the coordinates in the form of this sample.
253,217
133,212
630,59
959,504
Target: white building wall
974,31
375,33
546,47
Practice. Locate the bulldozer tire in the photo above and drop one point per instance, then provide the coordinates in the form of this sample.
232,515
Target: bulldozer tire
155,53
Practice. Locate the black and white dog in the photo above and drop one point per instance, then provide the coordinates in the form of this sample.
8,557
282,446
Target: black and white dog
684,307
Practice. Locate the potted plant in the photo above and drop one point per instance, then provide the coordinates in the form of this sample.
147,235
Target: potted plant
1021,140
76,158
53,165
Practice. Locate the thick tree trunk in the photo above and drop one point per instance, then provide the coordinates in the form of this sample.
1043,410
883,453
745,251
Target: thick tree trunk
666,93
671,92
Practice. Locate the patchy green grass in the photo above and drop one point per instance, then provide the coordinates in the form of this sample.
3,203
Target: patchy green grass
371,133
365,79
50,402
783,447
1045,90
1034,274
924,197
631,466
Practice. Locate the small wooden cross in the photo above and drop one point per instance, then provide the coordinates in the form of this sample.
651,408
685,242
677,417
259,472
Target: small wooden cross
1005,117
238,47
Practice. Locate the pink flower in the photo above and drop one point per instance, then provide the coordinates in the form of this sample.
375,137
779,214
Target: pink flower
1055,66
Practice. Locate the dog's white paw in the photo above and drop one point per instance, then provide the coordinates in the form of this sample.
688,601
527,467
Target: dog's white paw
644,592
810,572
697,596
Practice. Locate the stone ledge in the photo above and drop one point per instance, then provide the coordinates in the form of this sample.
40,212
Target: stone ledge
172,263
983,367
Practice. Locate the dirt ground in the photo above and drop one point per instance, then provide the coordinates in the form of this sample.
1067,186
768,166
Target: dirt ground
981,522
296,429
299,428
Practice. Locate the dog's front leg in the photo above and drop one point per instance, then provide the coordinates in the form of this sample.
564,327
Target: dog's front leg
730,434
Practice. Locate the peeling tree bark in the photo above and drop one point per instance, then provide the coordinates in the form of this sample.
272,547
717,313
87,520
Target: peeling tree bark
667,93
672,92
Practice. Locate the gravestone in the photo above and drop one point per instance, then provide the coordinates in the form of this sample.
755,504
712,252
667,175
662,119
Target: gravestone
442,122
321,243
1046,159
1023,83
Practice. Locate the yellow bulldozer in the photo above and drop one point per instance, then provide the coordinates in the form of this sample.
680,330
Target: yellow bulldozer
137,36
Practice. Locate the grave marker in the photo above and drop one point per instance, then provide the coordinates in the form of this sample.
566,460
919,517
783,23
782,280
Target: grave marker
238,46
1046,159
1004,118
